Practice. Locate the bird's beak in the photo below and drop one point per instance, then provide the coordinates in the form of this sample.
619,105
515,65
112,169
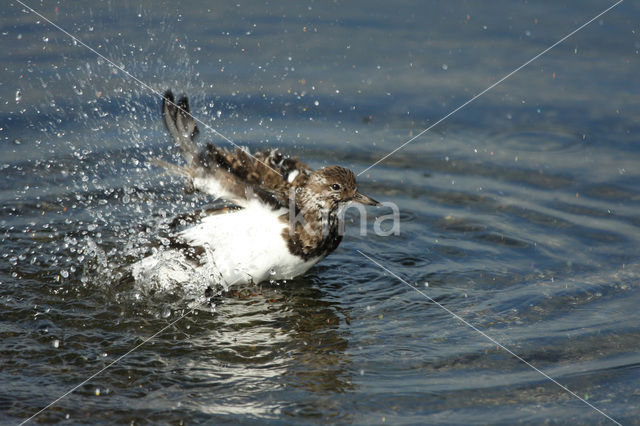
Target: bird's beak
363,199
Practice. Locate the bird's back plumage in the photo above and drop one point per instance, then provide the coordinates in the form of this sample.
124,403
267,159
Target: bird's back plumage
236,175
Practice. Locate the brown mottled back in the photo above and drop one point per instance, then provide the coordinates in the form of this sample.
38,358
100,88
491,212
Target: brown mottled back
269,169
269,174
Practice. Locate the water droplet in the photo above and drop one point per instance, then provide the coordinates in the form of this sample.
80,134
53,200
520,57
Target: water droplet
316,103
97,391
18,95
56,343
445,67
166,313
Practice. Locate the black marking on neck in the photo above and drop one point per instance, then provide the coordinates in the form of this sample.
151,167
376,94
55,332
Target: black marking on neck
310,245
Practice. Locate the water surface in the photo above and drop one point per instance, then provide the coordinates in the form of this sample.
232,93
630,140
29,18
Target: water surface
520,213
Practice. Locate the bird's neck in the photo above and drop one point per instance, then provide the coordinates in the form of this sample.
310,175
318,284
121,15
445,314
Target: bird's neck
313,230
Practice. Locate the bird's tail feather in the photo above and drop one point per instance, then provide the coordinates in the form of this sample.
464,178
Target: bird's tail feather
181,125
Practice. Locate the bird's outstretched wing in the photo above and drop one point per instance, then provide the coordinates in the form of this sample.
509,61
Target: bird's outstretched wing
237,175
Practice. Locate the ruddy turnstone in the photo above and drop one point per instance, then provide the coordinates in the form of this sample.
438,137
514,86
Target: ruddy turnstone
284,220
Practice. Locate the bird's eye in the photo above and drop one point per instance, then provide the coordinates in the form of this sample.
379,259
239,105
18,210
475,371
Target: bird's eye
336,187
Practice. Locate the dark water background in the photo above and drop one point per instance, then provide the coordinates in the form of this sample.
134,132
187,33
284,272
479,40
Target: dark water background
520,213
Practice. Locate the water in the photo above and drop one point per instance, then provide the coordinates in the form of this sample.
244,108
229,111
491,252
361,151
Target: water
520,213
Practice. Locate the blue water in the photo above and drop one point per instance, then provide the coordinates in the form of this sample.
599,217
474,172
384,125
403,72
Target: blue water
520,213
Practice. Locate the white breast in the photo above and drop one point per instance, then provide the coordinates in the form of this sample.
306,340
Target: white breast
240,247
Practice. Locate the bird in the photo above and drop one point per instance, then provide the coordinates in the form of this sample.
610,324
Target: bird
283,218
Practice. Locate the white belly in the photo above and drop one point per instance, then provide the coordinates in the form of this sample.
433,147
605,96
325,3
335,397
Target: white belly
241,247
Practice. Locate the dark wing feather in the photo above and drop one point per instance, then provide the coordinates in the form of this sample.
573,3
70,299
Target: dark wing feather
267,175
